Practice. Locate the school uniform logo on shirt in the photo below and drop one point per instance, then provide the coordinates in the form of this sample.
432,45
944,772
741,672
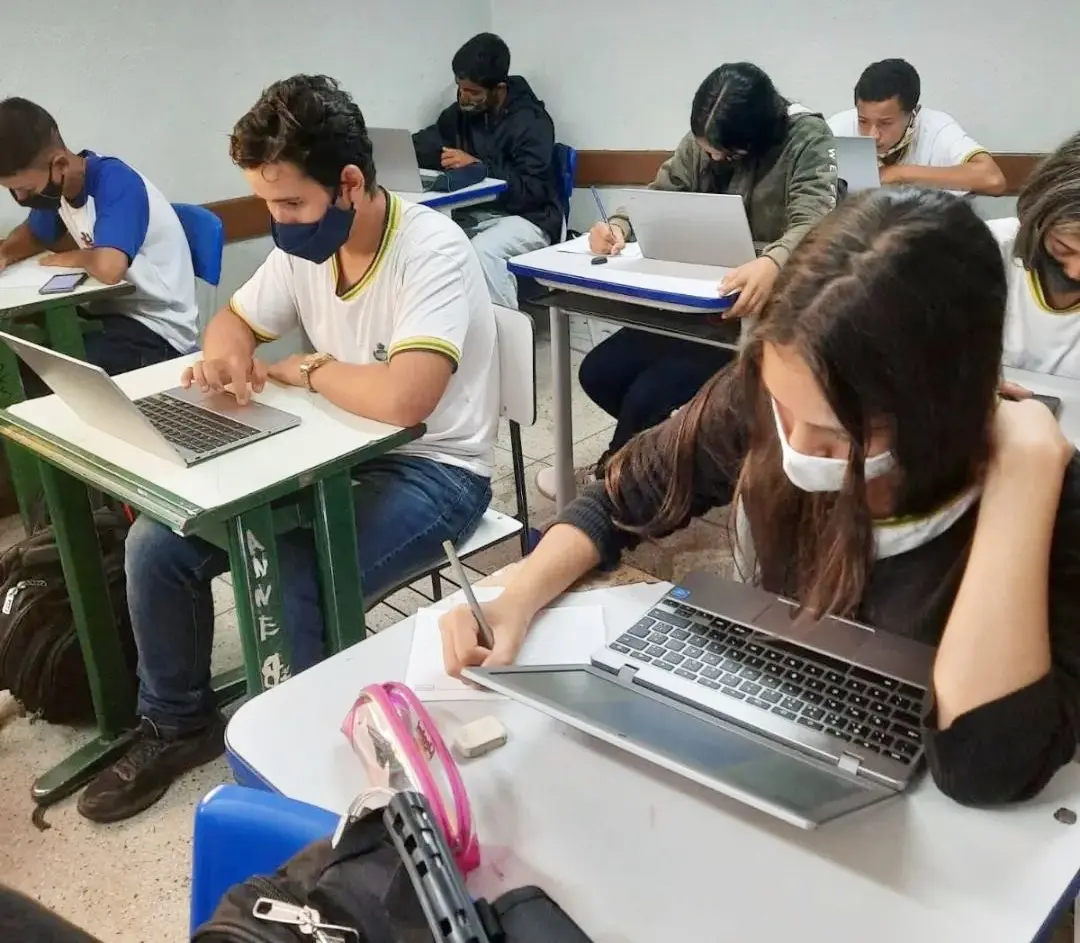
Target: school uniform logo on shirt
380,353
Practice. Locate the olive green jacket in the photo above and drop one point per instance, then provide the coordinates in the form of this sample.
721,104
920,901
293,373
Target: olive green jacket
785,192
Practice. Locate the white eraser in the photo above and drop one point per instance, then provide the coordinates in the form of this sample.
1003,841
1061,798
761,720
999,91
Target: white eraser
480,737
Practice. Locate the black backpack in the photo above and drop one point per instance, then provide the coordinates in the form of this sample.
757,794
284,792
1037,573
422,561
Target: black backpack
390,879
41,662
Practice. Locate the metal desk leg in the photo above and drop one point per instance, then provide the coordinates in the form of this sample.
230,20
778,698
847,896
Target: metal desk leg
257,583
110,685
64,330
564,423
63,333
22,464
339,563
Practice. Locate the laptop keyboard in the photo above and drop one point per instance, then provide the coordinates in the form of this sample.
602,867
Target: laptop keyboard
871,710
191,427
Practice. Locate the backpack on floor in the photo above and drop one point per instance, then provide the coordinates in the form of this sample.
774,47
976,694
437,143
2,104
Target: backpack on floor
391,878
41,662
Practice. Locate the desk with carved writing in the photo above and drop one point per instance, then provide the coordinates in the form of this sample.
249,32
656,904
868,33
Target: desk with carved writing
238,501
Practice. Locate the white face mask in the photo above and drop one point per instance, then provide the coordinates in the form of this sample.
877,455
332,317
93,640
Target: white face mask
816,473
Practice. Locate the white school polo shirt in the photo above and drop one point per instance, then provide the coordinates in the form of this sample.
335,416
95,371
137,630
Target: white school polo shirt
120,209
1037,337
937,139
425,290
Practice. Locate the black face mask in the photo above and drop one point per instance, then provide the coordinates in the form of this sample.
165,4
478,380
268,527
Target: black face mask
1053,277
47,198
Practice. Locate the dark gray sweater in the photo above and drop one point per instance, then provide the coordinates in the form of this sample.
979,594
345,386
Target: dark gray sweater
1003,751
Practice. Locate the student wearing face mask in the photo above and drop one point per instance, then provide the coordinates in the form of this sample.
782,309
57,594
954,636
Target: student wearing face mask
499,122
1041,248
915,145
102,216
744,138
949,516
393,301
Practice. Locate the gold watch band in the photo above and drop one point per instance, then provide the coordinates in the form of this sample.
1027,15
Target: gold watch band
309,366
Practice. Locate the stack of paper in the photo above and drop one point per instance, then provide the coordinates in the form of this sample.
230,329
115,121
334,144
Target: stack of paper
564,636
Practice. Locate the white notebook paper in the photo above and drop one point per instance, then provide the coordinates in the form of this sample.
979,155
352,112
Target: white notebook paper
580,246
30,274
564,636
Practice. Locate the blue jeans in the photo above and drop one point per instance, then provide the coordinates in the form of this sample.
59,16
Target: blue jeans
405,508
496,238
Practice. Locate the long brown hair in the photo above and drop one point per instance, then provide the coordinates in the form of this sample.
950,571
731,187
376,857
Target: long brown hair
896,302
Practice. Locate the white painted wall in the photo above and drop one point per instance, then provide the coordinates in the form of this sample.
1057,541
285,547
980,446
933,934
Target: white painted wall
621,73
160,83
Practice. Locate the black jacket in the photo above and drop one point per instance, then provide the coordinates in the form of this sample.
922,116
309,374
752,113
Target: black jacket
516,145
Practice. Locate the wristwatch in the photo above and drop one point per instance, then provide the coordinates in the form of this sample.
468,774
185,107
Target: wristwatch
311,364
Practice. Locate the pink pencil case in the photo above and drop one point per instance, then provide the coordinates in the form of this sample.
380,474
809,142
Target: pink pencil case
402,751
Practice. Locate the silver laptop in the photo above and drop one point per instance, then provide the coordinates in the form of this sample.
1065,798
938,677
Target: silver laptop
726,685
395,161
700,228
180,424
857,163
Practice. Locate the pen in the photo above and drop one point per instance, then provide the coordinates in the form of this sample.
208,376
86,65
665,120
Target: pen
603,212
601,259
487,637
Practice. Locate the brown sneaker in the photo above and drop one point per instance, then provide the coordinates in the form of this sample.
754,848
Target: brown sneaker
545,480
144,773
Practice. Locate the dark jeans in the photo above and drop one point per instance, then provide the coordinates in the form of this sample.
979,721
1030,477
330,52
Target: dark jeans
641,378
118,344
405,508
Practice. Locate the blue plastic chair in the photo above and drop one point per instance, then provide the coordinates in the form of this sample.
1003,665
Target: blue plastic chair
206,238
565,159
242,832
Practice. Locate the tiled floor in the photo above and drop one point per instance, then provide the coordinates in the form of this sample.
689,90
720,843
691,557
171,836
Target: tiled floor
129,882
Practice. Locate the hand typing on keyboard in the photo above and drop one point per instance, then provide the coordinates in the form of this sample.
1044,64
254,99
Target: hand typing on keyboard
244,372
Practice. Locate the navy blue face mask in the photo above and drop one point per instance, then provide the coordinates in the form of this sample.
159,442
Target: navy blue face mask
315,242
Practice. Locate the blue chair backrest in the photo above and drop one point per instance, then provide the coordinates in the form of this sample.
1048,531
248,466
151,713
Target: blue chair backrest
565,159
206,239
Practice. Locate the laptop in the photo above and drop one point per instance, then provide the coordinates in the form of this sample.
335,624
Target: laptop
179,425
727,685
699,228
1053,403
857,163
395,161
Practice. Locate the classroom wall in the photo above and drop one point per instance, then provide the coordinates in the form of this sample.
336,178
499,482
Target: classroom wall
160,83
622,74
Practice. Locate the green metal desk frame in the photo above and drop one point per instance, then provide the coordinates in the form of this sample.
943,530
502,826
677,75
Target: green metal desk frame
247,528
54,322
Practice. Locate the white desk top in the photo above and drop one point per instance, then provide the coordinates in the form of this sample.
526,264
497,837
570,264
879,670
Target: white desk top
325,434
483,192
672,286
636,855
20,288
1068,390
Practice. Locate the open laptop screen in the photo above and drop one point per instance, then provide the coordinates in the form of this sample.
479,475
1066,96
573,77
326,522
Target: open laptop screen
712,751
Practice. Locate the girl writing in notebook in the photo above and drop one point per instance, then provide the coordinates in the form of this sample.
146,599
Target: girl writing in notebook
873,473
